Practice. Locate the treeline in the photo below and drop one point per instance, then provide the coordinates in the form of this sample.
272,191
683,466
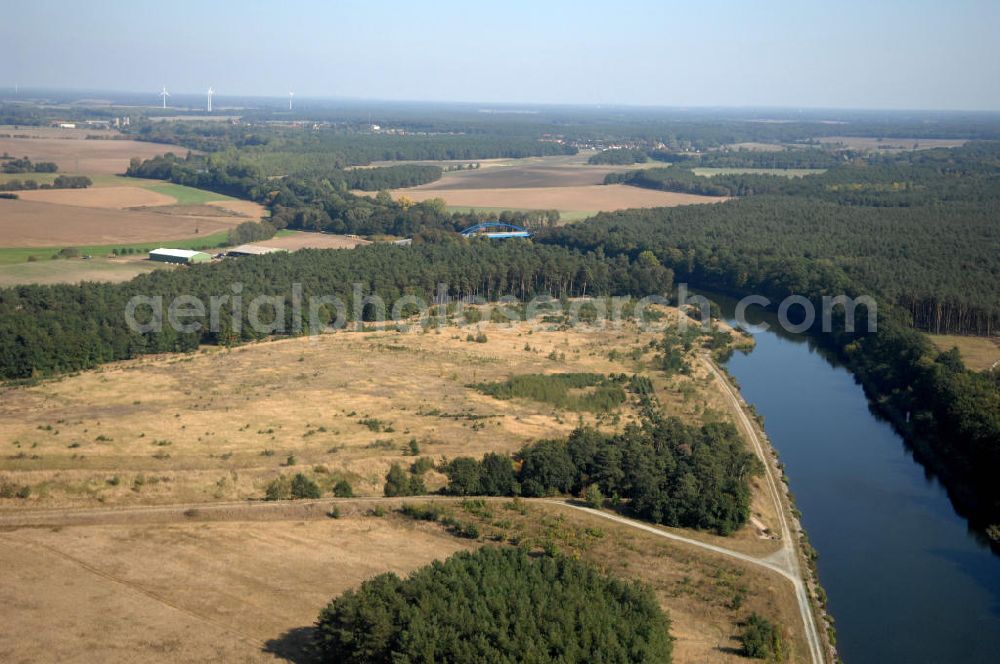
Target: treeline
780,245
498,605
46,330
917,229
389,177
60,182
25,165
623,156
684,180
664,471
347,146
791,158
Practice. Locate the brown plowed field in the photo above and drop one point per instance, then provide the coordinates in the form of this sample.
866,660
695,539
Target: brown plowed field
99,197
26,223
76,155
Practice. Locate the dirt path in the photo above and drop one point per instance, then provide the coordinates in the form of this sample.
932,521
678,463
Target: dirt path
786,560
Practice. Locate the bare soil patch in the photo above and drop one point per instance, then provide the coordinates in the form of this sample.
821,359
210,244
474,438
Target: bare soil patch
25,223
99,197
247,209
591,198
313,241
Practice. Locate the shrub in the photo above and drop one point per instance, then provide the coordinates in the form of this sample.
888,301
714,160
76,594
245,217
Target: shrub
593,497
303,487
279,489
343,489
400,483
495,605
761,639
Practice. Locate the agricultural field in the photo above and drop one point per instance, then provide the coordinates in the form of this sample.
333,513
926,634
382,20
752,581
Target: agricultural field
28,223
214,427
589,199
74,152
116,212
565,183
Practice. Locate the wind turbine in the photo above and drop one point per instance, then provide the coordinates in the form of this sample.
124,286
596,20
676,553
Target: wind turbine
210,93
164,94
290,95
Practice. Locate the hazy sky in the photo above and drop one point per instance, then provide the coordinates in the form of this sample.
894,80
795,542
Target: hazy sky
800,53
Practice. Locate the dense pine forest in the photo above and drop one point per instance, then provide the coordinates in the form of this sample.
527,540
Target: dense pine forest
46,330
918,229
496,605
666,471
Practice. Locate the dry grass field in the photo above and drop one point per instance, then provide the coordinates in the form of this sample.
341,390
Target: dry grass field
74,153
202,422
239,581
588,198
237,591
978,353
246,584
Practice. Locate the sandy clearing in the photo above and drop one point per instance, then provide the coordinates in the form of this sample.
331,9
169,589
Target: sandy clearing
594,198
99,197
242,208
312,241
36,224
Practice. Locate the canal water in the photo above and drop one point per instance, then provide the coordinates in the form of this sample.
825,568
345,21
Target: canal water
906,579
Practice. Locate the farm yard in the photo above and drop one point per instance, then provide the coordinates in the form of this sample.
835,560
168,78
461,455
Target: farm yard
115,213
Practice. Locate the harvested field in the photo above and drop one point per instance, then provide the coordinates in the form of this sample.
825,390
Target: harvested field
99,197
295,240
77,155
192,591
592,198
26,223
530,172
